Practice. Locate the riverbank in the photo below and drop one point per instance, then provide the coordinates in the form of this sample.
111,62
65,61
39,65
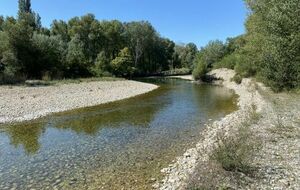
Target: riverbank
22,103
184,77
277,162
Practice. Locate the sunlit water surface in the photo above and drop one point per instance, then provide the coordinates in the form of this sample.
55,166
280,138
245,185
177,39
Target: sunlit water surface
118,145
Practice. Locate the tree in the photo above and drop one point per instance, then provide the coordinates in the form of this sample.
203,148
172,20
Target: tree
75,58
190,54
84,46
186,54
26,14
273,42
87,30
102,65
20,35
213,52
123,64
60,28
1,23
49,54
201,67
114,40
139,35
23,8
209,55
235,44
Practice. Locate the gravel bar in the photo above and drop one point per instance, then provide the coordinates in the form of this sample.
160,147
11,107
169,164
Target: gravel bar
21,103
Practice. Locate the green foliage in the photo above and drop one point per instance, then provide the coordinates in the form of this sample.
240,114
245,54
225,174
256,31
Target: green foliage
235,153
229,61
123,64
84,46
101,66
207,57
213,52
184,55
201,67
138,34
181,71
200,71
1,23
9,74
245,68
235,44
270,48
60,28
49,54
273,42
75,59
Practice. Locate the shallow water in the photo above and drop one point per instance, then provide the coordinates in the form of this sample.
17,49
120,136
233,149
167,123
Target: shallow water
113,146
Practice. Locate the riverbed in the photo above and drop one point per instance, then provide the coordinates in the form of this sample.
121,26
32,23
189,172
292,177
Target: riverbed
117,145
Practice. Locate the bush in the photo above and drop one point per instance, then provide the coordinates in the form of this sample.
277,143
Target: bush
200,71
122,65
101,66
229,62
10,70
235,153
245,69
237,79
8,76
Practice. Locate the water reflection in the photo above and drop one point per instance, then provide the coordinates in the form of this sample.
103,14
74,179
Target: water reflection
214,101
26,136
125,113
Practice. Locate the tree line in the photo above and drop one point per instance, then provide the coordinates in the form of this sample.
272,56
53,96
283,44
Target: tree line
269,50
84,47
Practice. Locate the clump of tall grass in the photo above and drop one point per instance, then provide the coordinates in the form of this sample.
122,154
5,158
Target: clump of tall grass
235,153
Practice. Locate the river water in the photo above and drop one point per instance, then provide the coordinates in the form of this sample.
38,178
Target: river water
120,145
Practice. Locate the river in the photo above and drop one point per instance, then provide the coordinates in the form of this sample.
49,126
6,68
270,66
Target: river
118,145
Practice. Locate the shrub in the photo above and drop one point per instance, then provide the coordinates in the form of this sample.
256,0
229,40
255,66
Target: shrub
200,71
8,76
122,65
235,153
228,62
101,66
237,79
10,70
245,69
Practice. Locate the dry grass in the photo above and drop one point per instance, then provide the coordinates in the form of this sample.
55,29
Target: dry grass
284,131
231,159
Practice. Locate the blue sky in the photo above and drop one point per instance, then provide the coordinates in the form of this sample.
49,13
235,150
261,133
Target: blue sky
182,21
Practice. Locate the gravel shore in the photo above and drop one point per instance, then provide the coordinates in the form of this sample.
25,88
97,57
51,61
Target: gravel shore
278,161
184,77
20,103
